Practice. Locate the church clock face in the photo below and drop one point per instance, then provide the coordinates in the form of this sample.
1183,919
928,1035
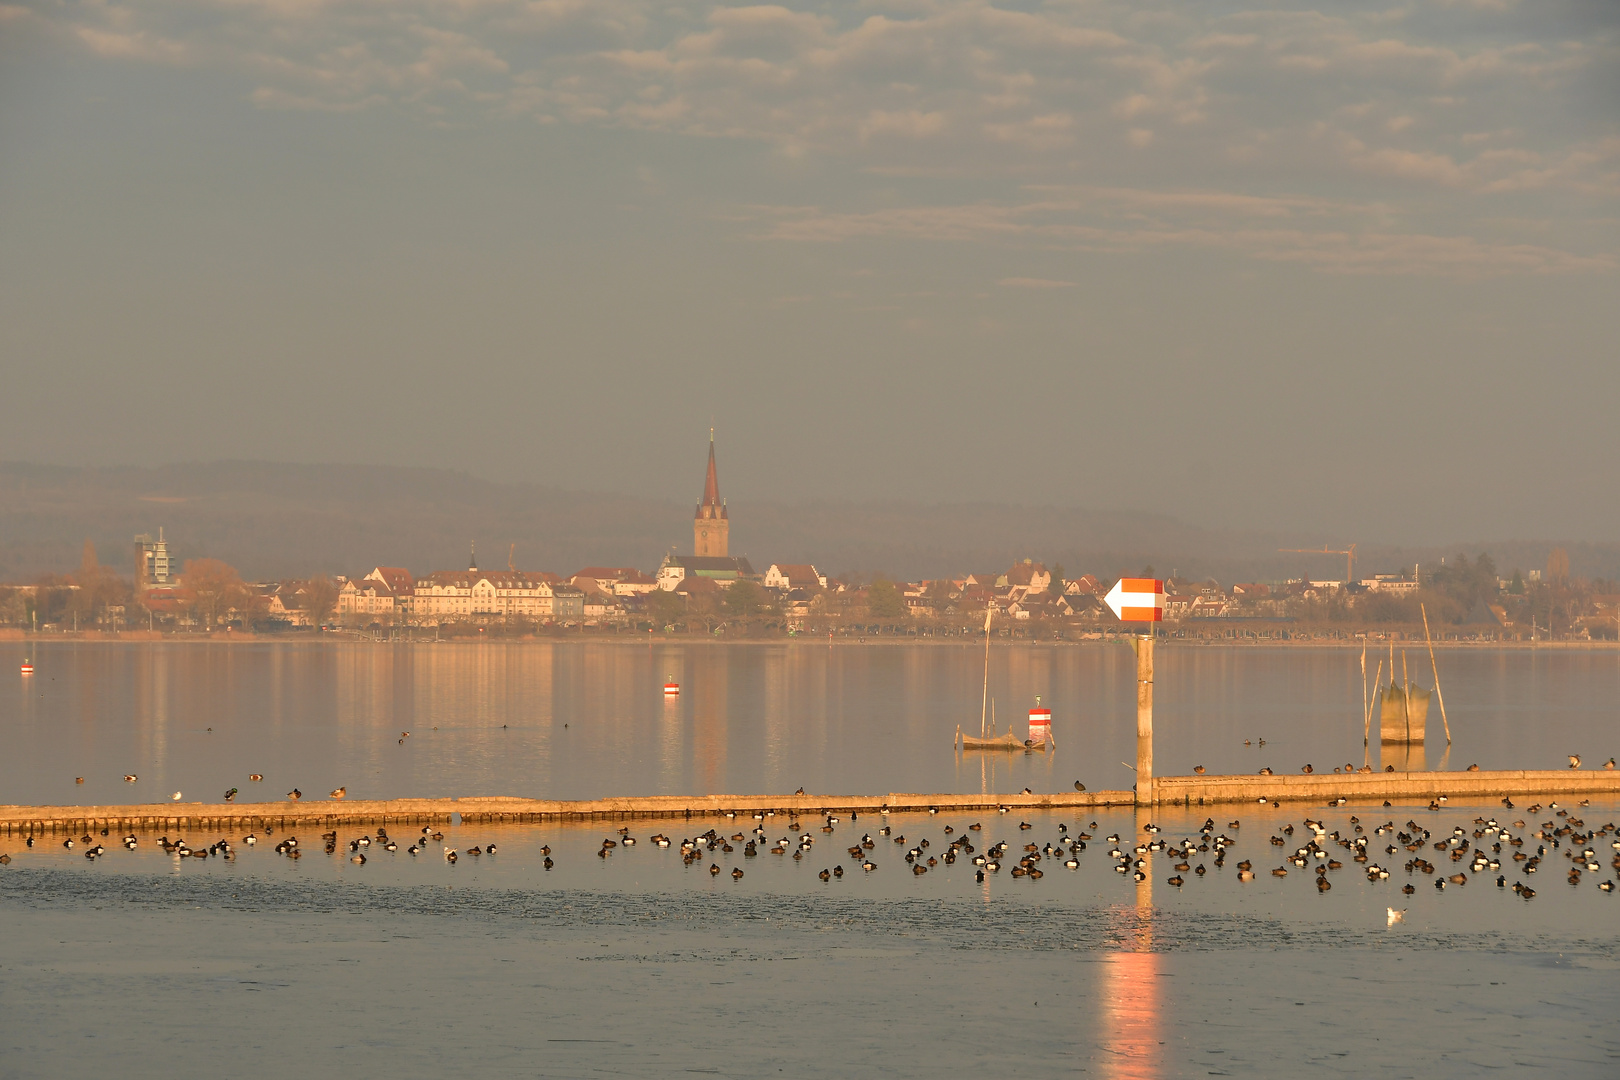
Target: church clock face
705,534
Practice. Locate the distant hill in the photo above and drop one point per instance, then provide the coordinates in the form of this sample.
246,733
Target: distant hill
277,520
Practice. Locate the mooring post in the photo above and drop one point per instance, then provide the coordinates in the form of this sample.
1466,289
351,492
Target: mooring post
1144,719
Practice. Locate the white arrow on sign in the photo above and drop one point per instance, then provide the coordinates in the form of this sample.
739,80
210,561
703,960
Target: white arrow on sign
1137,599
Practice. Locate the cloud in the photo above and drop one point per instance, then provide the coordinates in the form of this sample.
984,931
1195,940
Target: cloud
1386,108
1317,234
1035,283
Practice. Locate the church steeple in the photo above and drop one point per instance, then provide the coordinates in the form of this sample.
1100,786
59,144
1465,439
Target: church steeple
711,523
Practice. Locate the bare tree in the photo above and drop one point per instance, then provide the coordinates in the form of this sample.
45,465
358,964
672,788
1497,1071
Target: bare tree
320,597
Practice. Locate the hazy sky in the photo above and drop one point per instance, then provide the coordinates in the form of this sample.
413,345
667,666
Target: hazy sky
1345,267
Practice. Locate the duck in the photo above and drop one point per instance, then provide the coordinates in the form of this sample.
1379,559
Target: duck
868,866
295,794
1265,772
838,871
450,855
1609,764
1574,761
256,777
230,795
130,778
1606,886
548,863
1199,769
338,793
714,869
175,796
1078,786
358,857
736,873
1307,769
1176,881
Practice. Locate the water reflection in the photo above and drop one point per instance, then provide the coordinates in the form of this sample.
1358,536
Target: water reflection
579,720
1130,1044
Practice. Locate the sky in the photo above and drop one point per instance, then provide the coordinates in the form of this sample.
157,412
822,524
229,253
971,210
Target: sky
1344,269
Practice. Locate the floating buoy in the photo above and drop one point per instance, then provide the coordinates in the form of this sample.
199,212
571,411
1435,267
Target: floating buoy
27,667
1040,724
672,688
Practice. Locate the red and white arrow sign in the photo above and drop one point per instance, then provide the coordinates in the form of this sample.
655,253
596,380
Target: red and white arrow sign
1137,599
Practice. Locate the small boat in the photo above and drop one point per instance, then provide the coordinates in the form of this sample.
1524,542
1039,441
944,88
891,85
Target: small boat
987,738
1005,741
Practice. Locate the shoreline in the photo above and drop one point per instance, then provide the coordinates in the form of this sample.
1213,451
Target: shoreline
143,637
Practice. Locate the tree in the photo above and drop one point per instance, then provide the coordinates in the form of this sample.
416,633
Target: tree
665,607
746,598
320,597
212,588
1056,588
1516,587
884,601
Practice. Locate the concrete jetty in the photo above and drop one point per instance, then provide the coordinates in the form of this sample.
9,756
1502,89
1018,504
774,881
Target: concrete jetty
1170,791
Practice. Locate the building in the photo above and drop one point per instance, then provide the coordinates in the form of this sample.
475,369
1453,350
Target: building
794,576
365,600
711,525
722,570
614,580
472,595
1028,576
152,561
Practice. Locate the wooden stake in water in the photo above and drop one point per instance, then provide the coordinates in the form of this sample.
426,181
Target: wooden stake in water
1144,719
1436,669
985,703
1363,691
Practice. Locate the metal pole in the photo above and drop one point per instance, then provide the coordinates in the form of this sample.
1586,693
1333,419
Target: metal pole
1144,719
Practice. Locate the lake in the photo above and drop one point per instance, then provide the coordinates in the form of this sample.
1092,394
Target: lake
641,962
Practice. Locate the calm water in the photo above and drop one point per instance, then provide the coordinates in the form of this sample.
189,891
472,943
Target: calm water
140,963
585,720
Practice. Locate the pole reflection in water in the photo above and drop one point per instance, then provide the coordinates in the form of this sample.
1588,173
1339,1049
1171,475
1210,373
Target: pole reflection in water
1130,1042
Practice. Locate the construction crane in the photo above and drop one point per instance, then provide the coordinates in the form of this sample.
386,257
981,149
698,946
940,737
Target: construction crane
1349,558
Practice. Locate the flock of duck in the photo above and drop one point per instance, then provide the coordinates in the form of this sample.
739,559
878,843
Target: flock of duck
1484,846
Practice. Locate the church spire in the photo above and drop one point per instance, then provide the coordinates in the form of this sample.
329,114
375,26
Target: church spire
711,524
711,483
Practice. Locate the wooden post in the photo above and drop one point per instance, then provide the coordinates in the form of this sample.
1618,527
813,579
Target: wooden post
1144,719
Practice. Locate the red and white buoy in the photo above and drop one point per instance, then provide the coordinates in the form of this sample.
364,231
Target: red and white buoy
1040,724
27,667
671,688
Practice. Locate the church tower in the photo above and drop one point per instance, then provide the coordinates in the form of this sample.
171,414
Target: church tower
711,524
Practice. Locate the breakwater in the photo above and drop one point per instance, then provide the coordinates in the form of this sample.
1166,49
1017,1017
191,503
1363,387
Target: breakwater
1362,788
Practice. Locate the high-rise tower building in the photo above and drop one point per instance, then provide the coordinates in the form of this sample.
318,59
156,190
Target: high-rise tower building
711,524
151,561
